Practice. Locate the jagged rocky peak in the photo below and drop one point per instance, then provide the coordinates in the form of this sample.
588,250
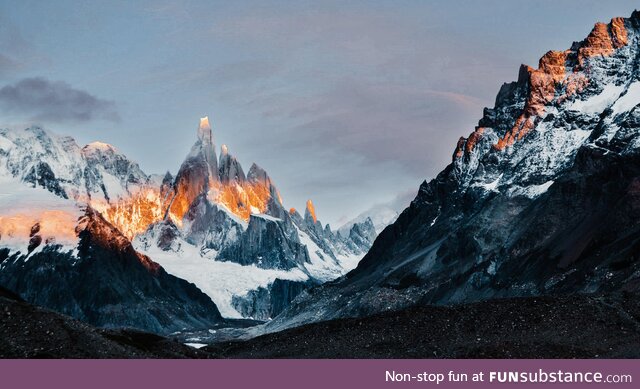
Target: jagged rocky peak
229,169
100,154
204,148
197,174
296,217
258,174
205,134
167,179
526,112
310,213
364,233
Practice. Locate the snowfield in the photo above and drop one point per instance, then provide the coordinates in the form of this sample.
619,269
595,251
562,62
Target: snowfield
598,103
219,280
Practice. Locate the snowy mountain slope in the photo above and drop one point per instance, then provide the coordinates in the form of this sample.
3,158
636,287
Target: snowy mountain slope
29,212
220,214
211,207
96,172
58,255
222,281
541,198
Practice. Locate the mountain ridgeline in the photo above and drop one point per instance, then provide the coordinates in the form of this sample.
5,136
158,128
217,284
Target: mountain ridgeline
542,198
71,210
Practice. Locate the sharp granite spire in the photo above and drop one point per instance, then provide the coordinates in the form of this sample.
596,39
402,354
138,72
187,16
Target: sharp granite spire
204,131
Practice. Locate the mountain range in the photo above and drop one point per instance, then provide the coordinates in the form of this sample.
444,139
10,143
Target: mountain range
542,198
225,232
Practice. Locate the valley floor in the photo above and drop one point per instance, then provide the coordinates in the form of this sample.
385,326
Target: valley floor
541,327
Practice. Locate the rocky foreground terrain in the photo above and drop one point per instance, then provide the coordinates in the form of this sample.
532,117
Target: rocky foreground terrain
32,332
542,327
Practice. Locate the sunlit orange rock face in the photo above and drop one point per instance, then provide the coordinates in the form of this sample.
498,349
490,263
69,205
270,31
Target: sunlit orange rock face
466,145
604,39
54,226
459,148
245,198
542,89
473,139
552,75
183,195
312,210
618,32
133,216
199,175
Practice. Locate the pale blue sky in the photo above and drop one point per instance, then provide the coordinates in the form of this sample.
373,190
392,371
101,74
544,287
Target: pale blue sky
349,103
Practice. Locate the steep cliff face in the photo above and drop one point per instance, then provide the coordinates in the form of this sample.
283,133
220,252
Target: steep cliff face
197,174
541,198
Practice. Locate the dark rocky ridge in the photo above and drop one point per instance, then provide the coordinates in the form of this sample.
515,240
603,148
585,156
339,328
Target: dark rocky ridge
557,211
267,303
108,284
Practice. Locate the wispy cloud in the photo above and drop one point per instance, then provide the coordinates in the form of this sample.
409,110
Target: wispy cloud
41,99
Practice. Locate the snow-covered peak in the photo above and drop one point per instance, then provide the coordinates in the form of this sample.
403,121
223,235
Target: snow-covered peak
99,151
100,146
29,153
380,215
530,135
